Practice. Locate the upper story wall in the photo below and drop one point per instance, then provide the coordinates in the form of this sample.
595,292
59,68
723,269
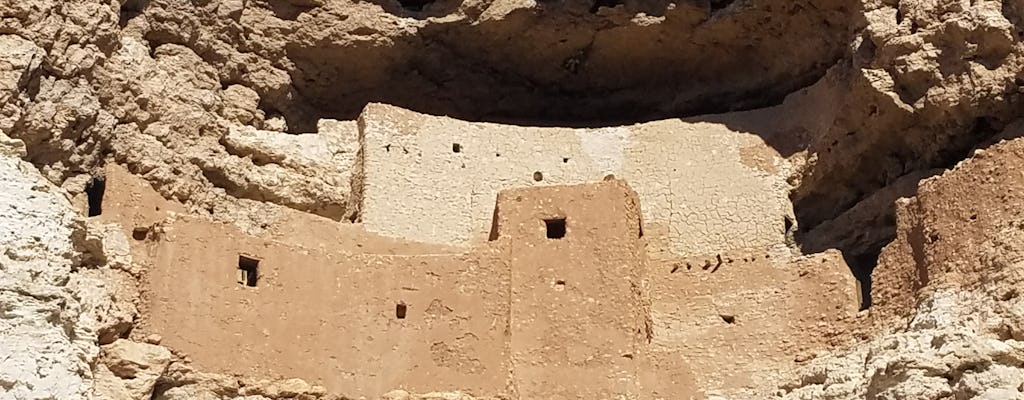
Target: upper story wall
704,188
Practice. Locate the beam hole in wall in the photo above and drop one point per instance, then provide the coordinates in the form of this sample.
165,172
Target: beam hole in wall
140,232
94,192
400,310
538,176
456,148
729,319
248,271
565,160
555,228
560,285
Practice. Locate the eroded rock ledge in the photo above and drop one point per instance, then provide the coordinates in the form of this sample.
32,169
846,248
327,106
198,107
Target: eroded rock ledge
850,106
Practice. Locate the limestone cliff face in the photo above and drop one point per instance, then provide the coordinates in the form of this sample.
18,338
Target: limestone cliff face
44,359
61,291
947,295
245,111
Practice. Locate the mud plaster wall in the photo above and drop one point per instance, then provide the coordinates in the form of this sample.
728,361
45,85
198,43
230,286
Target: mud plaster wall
578,312
745,320
521,303
334,316
331,316
704,188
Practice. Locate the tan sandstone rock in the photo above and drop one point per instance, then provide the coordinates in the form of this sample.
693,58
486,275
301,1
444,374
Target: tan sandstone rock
129,370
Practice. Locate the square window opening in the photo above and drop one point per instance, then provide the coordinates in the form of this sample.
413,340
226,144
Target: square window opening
555,228
248,271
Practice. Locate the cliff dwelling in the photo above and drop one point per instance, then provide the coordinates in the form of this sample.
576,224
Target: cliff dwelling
549,289
511,200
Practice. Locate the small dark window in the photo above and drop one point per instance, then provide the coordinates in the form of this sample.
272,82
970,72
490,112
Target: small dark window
565,160
94,191
555,228
400,310
456,148
729,319
140,232
248,271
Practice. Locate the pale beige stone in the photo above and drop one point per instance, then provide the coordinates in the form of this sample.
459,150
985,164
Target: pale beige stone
434,179
130,370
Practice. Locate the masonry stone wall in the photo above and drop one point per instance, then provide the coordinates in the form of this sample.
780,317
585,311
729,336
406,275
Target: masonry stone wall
704,188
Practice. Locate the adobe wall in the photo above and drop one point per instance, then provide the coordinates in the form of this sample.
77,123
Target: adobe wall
330,317
736,320
579,315
704,188
523,314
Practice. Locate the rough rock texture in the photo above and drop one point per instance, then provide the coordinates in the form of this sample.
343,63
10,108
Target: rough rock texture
308,172
129,370
59,294
158,85
864,98
945,352
38,312
949,290
927,82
